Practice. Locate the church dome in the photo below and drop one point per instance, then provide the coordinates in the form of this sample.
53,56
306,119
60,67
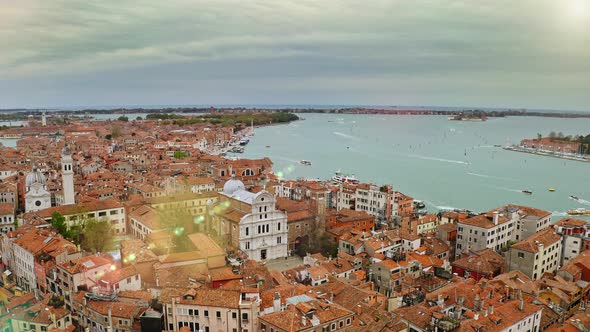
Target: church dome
35,177
233,185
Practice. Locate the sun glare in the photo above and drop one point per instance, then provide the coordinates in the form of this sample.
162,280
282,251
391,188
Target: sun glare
579,8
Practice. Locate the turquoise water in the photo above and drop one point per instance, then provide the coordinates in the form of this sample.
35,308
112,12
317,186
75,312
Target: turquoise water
445,163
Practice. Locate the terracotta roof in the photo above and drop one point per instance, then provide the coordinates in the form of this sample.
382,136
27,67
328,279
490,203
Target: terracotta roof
117,275
291,319
89,206
485,261
546,237
571,222
220,298
85,263
483,221
6,209
530,211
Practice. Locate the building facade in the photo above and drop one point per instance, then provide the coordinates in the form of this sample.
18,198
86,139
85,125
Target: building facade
536,255
251,222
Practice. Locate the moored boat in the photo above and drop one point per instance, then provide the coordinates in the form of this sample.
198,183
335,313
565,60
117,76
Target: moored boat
579,211
305,162
341,178
528,192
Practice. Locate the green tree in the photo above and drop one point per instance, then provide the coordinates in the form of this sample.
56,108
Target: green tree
115,131
123,118
96,235
58,222
179,154
139,118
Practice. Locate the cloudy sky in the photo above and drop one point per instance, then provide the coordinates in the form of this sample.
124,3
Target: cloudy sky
496,53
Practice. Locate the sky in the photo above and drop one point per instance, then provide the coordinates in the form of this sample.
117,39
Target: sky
492,53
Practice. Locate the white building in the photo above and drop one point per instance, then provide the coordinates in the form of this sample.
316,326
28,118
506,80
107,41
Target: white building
79,272
143,221
36,195
213,310
108,210
376,201
490,230
121,279
251,222
6,217
8,193
27,245
201,185
574,237
536,255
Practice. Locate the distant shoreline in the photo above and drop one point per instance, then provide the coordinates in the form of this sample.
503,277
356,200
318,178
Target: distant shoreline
22,114
545,154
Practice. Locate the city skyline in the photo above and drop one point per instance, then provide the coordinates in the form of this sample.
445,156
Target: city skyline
530,54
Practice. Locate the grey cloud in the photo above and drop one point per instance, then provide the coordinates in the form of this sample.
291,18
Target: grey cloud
294,51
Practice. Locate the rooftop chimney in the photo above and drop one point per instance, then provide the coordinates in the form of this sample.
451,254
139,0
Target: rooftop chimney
521,305
276,303
491,309
476,316
496,217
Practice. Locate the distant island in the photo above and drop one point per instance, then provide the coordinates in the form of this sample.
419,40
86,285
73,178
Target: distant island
462,114
572,147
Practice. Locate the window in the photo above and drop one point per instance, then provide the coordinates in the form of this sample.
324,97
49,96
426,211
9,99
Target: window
247,231
279,240
206,313
218,314
244,316
234,315
279,226
520,255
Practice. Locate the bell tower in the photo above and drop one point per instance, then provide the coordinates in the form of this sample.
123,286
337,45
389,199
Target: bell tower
67,175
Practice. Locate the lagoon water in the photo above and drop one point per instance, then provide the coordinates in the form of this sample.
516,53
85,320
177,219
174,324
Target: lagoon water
447,164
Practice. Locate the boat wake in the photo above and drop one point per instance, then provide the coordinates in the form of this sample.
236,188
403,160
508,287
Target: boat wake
559,214
489,176
506,189
337,133
440,207
446,208
583,201
286,159
438,159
